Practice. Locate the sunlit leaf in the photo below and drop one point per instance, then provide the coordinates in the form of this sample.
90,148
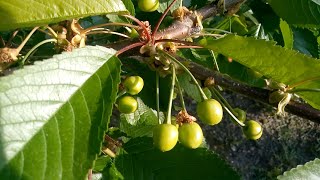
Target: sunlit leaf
28,13
53,115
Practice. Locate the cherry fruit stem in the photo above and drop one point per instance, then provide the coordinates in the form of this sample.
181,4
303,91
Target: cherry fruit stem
108,32
229,109
35,47
222,99
204,97
215,61
111,24
158,97
131,46
19,48
181,95
143,26
171,93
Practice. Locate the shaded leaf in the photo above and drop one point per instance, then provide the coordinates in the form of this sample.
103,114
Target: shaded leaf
305,13
130,7
272,61
54,114
310,170
305,42
240,72
189,87
165,3
28,13
233,69
101,162
145,162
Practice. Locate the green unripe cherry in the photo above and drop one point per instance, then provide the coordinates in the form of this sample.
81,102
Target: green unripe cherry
210,111
133,84
165,137
127,104
148,5
190,135
252,130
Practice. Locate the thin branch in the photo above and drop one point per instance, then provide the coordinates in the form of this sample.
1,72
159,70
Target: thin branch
161,18
262,95
300,109
11,38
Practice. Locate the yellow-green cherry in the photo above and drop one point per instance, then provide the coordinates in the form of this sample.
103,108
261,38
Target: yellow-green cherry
133,84
148,5
252,130
190,135
165,137
210,111
127,104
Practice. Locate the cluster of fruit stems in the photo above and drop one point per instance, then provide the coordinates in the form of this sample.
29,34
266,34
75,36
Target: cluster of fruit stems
214,91
141,25
97,29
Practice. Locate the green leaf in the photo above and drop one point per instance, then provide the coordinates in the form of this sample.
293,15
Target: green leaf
140,123
310,170
305,42
129,6
287,34
165,3
54,114
240,72
16,13
189,87
239,26
111,172
233,69
272,61
145,162
100,163
305,13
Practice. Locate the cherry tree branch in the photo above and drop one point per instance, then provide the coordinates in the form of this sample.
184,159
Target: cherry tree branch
298,108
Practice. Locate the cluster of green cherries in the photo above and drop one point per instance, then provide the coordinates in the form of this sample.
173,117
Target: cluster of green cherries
188,133
210,112
132,85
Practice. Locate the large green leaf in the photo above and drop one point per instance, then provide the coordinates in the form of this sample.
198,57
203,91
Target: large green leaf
280,64
142,161
17,13
310,171
53,114
298,12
